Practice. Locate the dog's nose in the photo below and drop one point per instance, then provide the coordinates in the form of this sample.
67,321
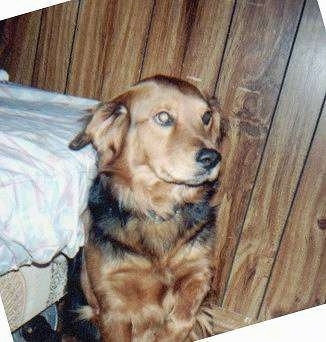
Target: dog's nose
208,158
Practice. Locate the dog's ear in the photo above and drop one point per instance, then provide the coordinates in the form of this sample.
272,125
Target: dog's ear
216,125
82,139
105,128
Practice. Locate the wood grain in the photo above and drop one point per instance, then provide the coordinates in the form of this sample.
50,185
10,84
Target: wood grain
167,41
299,277
256,55
206,43
290,135
125,49
54,47
87,64
108,47
18,43
226,320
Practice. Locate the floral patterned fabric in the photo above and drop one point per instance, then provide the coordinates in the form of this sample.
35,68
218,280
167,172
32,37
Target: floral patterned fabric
43,184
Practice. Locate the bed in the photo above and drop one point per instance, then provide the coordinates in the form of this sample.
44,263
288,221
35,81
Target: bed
43,193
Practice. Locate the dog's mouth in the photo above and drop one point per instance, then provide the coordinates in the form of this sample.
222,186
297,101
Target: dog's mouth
200,178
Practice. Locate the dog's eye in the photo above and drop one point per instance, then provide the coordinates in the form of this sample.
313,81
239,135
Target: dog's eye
206,118
163,119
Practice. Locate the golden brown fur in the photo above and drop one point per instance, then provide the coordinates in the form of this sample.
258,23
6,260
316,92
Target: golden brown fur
153,290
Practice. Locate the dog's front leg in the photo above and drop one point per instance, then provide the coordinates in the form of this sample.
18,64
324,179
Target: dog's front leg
115,330
189,293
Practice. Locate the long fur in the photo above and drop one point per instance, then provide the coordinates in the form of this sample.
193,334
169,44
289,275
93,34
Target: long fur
148,258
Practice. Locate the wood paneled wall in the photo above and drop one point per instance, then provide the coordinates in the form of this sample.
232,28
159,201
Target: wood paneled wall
265,60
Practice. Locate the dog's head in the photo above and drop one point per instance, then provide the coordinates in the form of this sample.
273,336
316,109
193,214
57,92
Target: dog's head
161,134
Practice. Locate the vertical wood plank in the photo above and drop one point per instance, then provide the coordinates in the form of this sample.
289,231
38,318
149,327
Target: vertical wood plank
170,28
92,32
104,55
299,277
206,43
18,43
54,47
256,56
124,53
290,135
87,63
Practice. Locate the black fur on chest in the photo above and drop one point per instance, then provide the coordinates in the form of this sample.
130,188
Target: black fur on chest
107,216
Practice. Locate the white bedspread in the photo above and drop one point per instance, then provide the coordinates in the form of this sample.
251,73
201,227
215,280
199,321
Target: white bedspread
43,184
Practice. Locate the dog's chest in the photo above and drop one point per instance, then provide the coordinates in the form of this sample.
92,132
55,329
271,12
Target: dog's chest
141,263
117,232
137,284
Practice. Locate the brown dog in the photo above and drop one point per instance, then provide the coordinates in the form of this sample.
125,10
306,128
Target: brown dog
148,255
